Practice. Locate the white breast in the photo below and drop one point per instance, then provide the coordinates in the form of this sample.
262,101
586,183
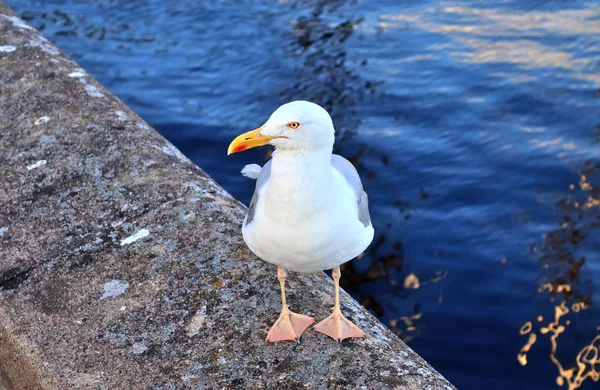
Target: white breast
306,221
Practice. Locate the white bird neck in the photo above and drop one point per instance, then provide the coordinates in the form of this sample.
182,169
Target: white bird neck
301,177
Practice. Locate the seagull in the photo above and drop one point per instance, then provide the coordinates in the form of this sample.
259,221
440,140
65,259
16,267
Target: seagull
309,212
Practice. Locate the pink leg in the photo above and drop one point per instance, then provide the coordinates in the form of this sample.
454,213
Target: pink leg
289,325
336,325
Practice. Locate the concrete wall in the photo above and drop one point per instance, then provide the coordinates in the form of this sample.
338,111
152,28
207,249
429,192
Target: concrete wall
122,264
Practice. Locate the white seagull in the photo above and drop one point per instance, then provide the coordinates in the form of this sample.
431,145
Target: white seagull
309,212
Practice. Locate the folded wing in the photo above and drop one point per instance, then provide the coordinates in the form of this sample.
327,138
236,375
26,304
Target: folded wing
347,170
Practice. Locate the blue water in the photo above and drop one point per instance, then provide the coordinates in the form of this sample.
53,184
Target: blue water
469,122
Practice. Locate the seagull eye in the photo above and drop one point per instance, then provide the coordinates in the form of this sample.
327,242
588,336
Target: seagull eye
293,125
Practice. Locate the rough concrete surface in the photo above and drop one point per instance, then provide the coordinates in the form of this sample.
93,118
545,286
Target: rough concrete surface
122,264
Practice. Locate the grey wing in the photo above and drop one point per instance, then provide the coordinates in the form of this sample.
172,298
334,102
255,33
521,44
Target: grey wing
261,180
347,170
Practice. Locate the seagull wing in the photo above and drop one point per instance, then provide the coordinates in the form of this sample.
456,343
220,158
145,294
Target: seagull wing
348,171
261,179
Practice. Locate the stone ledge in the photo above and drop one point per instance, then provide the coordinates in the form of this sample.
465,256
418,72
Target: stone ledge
122,264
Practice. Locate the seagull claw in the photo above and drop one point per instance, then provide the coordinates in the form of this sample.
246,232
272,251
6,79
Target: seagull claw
289,327
338,327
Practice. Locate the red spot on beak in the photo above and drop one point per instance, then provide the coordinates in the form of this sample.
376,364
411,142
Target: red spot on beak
240,148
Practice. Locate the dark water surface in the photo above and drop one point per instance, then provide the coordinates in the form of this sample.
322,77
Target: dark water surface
475,126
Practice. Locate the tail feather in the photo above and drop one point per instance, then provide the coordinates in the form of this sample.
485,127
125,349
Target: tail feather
251,170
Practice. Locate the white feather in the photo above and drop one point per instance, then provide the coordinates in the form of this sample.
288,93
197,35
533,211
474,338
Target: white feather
251,170
306,215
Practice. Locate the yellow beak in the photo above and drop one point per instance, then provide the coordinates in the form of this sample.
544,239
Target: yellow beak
249,140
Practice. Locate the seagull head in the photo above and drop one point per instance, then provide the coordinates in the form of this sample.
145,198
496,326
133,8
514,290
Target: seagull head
299,125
